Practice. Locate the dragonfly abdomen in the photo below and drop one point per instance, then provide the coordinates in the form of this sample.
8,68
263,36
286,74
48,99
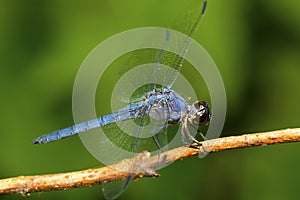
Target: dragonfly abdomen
129,112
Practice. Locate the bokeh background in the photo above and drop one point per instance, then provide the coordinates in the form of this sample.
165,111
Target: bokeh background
255,44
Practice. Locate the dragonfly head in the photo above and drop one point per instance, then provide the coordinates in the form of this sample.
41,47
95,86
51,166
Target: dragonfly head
202,114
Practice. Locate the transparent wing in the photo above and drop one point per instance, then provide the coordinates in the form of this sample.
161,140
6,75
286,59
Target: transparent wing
150,57
114,189
148,134
188,23
135,144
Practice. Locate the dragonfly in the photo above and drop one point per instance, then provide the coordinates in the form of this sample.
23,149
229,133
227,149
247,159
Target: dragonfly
160,103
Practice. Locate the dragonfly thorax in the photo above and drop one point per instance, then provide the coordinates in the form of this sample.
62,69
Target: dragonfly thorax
199,113
166,105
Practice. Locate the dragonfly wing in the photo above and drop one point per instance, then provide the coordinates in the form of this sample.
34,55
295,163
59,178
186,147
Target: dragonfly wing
188,23
142,126
138,58
114,189
151,135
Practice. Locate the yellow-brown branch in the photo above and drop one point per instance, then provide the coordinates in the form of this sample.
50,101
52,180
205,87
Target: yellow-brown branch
62,181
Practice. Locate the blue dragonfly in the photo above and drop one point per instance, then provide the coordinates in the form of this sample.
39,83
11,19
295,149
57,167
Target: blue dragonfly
160,103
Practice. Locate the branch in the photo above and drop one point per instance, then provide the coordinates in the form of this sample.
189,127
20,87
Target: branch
27,184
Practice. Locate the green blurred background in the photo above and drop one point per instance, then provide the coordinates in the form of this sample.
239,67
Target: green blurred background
255,44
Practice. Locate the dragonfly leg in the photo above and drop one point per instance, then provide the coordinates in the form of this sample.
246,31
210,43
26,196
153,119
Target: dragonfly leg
186,132
201,134
155,139
158,129
159,146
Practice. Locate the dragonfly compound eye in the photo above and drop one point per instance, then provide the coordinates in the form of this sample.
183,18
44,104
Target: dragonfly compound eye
202,115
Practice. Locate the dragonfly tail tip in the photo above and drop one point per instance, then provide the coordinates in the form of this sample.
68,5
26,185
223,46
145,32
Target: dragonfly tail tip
36,141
